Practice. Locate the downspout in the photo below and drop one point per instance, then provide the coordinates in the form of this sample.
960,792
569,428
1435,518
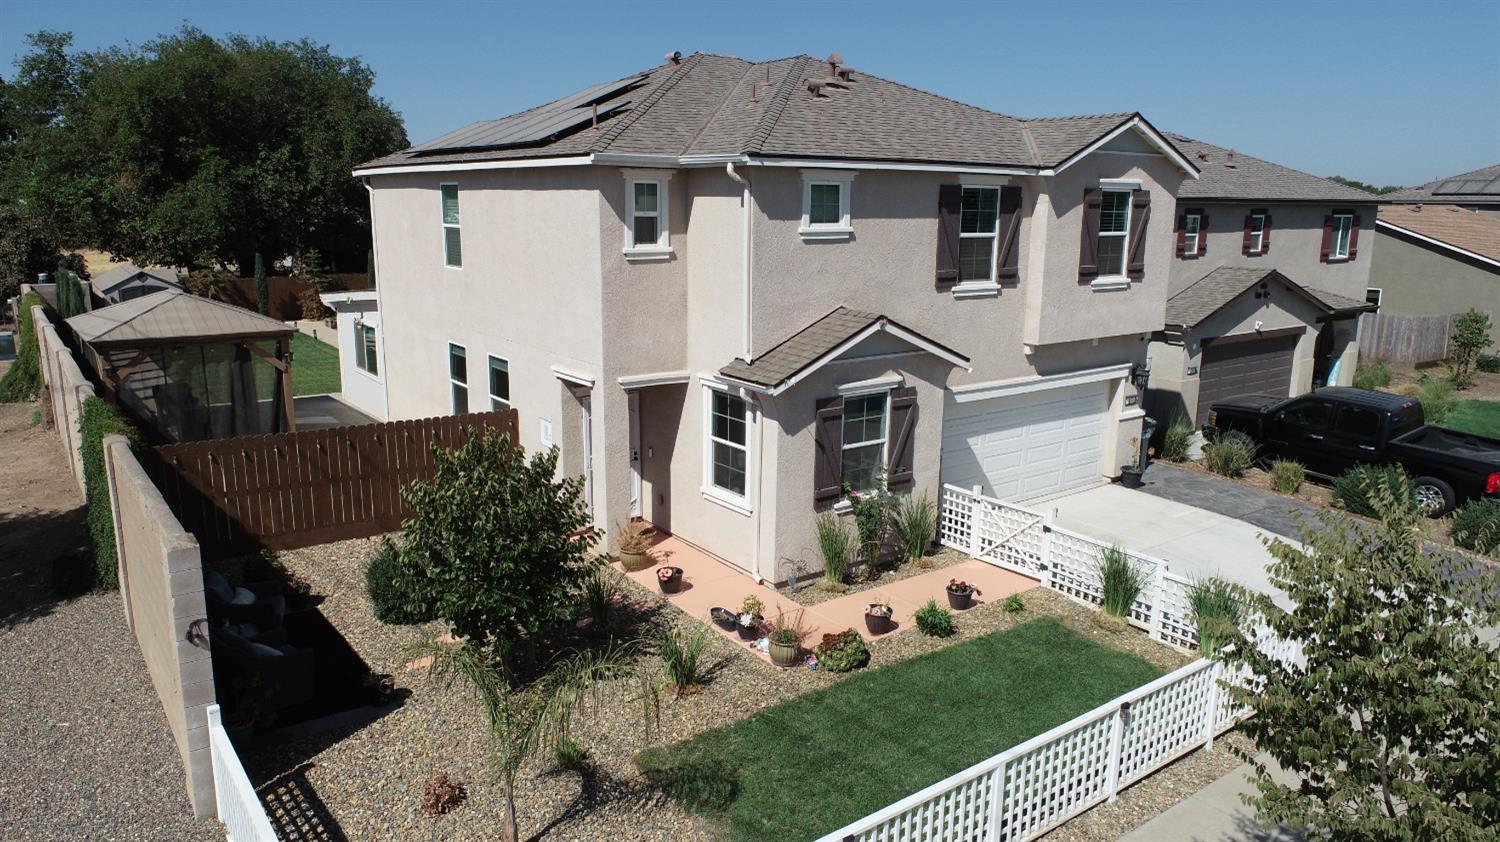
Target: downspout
744,261
756,506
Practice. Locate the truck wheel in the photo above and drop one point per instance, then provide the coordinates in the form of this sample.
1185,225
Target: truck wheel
1434,497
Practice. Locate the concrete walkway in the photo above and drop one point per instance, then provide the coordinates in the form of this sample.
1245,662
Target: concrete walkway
1216,814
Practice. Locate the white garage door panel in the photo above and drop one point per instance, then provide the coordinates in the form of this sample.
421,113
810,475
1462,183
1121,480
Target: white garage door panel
1026,445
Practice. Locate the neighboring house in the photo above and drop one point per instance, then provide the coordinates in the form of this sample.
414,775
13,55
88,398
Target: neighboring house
128,281
361,364
1477,191
726,290
1268,279
1437,260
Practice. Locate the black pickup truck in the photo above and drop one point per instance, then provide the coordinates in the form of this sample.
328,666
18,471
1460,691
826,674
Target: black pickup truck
1333,429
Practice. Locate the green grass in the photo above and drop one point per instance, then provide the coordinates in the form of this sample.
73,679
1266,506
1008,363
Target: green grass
810,765
315,366
1479,417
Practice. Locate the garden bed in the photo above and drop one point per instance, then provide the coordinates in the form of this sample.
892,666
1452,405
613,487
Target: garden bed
813,592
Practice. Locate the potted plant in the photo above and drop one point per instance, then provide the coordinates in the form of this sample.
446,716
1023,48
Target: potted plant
748,621
670,578
724,618
878,618
634,546
1130,475
960,594
786,636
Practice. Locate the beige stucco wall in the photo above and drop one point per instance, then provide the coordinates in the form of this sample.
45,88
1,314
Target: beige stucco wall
358,387
161,583
1421,280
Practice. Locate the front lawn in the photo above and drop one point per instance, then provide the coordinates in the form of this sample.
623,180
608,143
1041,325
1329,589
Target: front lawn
315,366
1478,417
810,765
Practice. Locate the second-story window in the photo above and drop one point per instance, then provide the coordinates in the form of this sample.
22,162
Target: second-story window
365,357
453,252
1343,226
499,383
1257,233
825,204
1114,232
979,218
1191,229
645,221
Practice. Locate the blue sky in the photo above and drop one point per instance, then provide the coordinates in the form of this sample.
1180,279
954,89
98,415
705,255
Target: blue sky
1386,92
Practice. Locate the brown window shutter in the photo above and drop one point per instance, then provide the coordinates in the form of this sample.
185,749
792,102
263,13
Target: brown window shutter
902,447
828,467
1354,238
1265,235
950,204
1140,215
1010,234
1202,231
1088,250
1327,238
1245,242
1182,234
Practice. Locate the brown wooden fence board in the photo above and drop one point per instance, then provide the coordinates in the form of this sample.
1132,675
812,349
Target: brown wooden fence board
1404,339
292,490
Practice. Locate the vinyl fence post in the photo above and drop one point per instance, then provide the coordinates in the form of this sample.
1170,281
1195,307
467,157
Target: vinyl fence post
1116,739
1215,694
975,512
997,803
1158,595
1049,522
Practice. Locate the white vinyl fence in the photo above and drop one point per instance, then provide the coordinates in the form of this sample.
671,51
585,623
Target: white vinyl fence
1032,544
240,808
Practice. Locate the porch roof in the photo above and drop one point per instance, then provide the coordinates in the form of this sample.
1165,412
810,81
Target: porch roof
825,339
1213,292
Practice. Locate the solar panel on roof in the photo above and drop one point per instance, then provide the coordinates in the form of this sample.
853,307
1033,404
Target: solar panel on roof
538,124
1468,186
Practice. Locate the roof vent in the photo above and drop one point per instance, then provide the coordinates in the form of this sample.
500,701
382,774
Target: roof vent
834,60
674,57
1203,156
815,88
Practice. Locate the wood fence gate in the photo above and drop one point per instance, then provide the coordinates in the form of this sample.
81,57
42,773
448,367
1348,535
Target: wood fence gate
289,490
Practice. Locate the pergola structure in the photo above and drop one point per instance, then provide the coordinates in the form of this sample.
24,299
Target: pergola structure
192,367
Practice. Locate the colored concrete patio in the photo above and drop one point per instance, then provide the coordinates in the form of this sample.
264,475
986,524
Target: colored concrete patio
708,582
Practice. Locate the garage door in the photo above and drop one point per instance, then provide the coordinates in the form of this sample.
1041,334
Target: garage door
1027,445
1255,367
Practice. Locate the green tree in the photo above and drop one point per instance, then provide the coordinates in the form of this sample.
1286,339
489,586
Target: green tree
1471,335
490,542
1368,188
262,290
1392,724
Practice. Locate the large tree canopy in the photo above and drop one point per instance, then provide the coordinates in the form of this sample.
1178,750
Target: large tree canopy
192,145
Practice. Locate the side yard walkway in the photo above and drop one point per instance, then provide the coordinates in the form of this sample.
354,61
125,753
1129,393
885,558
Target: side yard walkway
1215,814
87,751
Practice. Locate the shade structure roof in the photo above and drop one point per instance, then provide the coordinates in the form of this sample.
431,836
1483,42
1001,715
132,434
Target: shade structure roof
173,317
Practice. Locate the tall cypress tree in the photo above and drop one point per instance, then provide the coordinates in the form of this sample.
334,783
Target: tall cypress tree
262,289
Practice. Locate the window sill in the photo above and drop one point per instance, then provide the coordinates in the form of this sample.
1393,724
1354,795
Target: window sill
648,254
451,266
1108,284
830,232
738,505
374,377
976,289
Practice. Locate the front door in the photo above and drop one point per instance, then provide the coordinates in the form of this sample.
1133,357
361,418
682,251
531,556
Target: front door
586,402
635,453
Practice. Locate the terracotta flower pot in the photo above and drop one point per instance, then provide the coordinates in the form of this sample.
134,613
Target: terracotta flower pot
785,654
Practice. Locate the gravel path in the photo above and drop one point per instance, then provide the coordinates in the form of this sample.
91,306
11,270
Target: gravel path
86,749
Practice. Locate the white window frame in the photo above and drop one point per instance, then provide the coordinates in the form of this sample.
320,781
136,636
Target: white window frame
841,230
360,363
1379,297
1121,278
1257,233
1343,229
489,383
994,236
457,226
662,248
1192,229
735,502
885,432
448,360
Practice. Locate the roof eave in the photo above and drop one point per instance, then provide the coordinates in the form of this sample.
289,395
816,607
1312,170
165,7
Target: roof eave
1140,124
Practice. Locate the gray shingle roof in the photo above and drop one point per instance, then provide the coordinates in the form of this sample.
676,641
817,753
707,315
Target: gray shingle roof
1245,177
1213,291
711,104
172,315
1423,192
109,278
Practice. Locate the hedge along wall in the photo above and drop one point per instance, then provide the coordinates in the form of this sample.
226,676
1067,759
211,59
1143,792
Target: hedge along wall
100,419
23,380
64,389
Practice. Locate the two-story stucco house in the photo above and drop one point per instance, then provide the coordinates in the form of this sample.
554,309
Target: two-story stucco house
727,290
1269,268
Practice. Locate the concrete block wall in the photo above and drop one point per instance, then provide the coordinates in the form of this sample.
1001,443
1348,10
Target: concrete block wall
161,583
65,389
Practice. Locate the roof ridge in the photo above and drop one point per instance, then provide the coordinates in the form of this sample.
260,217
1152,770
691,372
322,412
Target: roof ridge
1031,144
728,95
1077,117
613,131
772,114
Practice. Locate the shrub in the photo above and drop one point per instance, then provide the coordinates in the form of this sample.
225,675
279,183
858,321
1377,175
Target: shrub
872,519
1476,526
441,795
1372,374
1230,454
842,652
389,584
1177,439
600,590
680,653
1471,335
1217,608
1353,490
1013,604
100,419
934,620
23,380
1120,580
1287,475
1488,363
1437,398
569,754
836,544
915,523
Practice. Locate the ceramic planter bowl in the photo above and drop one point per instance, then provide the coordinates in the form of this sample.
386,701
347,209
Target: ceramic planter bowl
958,600
785,654
1130,476
749,631
634,561
878,623
724,618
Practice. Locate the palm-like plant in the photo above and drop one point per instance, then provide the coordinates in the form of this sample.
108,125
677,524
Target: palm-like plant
538,716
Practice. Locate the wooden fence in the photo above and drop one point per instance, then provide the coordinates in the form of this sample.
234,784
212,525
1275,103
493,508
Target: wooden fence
1404,339
289,490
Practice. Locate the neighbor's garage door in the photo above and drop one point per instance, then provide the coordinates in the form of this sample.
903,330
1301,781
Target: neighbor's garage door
1254,367
1027,445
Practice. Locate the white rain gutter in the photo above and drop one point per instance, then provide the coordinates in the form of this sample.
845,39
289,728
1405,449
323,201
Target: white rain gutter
745,288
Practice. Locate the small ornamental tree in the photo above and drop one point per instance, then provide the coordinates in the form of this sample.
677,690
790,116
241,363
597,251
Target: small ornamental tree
1392,725
490,543
1471,335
